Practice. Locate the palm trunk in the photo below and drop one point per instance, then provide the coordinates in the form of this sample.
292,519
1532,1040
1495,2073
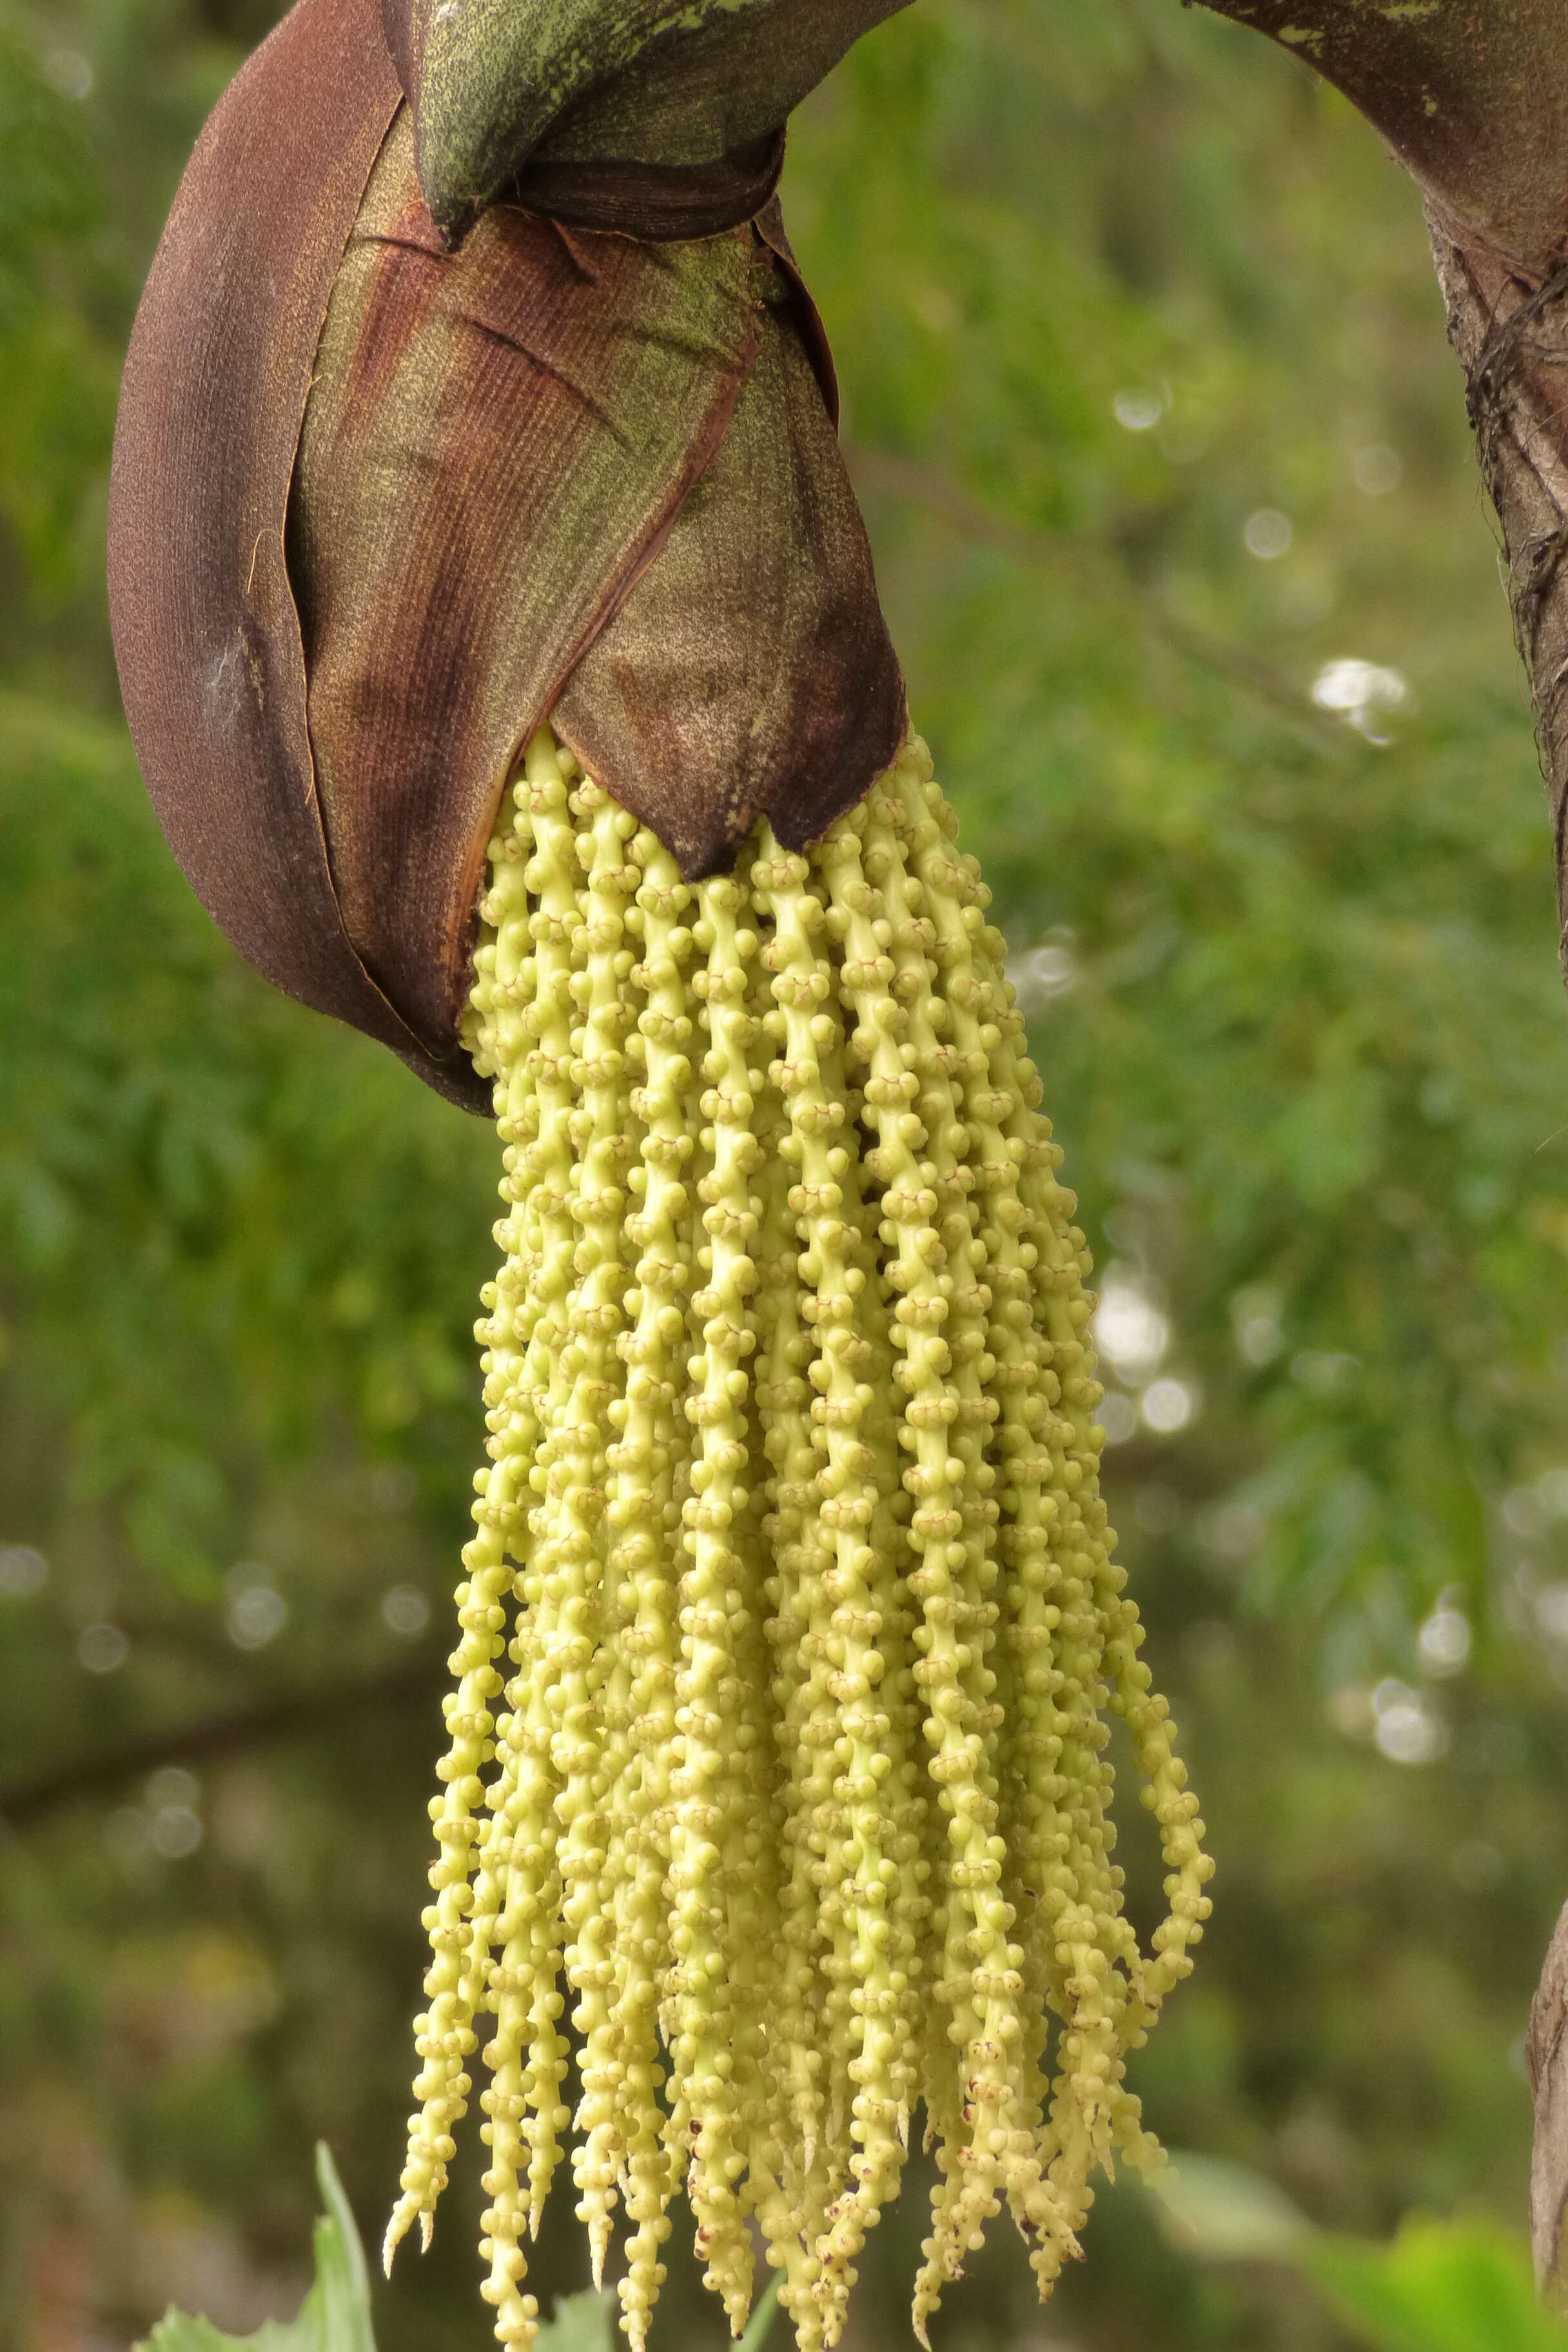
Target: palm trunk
1473,99
1546,2054
1472,95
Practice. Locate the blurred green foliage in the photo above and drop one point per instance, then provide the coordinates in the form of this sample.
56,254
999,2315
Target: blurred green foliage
1466,2289
1147,398
579,2323
1459,2285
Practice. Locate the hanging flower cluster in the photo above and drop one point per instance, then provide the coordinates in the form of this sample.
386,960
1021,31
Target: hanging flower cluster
791,1621
477,453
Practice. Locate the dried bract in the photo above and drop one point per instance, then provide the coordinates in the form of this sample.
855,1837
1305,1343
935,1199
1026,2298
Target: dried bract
374,503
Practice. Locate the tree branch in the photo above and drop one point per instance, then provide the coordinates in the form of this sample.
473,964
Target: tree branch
1473,96
294,1714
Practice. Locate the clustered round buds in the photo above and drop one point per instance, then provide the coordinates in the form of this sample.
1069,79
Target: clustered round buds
791,1623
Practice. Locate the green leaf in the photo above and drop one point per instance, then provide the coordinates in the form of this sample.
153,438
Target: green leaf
1440,2287
335,2314
761,2321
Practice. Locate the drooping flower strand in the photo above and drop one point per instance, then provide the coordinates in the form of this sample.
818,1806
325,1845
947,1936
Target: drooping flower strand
866,2011
798,1776
517,1911
643,1521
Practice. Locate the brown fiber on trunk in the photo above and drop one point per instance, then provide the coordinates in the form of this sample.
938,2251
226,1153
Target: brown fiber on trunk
1510,329
1473,99
1546,2057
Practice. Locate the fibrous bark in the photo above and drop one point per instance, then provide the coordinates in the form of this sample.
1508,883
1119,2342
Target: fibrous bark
1509,329
1546,2055
1472,95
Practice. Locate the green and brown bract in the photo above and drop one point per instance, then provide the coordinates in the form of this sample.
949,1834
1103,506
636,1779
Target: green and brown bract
379,508
791,1621
611,112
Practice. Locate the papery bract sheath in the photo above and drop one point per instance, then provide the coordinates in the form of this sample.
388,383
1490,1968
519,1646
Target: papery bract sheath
205,635
374,503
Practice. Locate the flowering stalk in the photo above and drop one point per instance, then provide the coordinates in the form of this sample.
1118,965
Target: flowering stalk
478,505
816,1619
